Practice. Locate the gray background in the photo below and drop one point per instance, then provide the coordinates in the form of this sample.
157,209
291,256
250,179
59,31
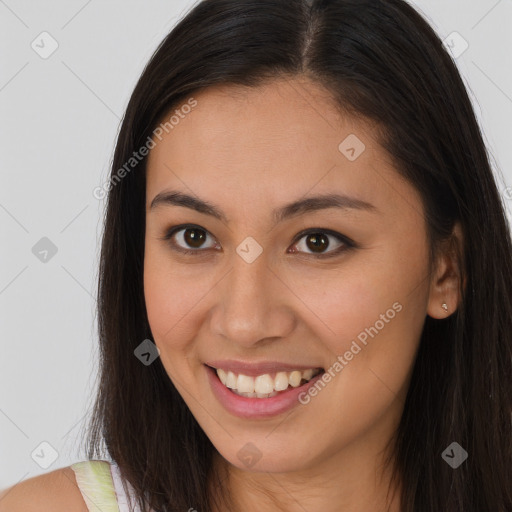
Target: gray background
59,119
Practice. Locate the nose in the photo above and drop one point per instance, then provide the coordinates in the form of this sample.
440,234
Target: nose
253,305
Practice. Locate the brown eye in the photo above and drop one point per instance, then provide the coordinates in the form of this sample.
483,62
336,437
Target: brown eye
188,239
316,243
194,237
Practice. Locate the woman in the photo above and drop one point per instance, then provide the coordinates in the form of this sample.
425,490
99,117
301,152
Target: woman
305,295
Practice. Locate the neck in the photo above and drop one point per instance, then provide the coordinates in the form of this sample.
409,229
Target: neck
353,479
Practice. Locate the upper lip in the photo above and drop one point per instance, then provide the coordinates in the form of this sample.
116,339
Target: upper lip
259,368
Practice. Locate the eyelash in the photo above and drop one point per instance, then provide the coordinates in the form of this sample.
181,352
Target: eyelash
347,243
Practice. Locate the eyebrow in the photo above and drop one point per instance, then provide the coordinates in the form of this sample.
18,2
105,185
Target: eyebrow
294,209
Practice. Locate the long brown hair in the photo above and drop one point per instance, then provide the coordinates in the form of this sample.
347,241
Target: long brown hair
381,61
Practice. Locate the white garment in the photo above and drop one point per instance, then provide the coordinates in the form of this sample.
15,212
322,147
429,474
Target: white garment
122,498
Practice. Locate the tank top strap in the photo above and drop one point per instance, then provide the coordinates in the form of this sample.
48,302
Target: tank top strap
103,487
94,479
122,492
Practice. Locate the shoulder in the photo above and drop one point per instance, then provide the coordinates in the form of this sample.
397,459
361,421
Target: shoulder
55,491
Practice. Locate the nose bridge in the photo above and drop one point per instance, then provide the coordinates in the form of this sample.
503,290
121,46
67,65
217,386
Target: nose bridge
250,305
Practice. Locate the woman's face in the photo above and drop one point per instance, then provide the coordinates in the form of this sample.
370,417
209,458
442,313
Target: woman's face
253,298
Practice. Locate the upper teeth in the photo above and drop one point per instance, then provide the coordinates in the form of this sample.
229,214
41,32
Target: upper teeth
264,384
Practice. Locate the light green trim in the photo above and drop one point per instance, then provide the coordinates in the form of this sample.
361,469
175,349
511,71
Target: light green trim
96,485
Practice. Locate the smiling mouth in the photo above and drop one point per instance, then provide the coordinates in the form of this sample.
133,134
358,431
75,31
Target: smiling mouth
266,385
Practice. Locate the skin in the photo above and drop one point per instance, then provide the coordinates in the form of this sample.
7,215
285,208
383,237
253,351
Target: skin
54,491
248,151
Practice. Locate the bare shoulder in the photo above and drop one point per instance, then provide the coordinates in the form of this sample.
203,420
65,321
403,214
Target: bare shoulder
55,491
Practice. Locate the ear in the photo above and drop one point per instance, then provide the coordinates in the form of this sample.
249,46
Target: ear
446,277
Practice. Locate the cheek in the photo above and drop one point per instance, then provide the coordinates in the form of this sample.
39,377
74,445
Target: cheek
371,314
173,295
372,310
166,295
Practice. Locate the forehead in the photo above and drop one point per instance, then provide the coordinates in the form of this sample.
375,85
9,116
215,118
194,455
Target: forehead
266,144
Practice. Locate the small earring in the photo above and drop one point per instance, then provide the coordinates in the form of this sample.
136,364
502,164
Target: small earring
444,306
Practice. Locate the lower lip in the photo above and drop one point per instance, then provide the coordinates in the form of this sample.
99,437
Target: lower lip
254,408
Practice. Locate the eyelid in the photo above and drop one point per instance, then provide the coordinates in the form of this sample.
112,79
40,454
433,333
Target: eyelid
347,243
